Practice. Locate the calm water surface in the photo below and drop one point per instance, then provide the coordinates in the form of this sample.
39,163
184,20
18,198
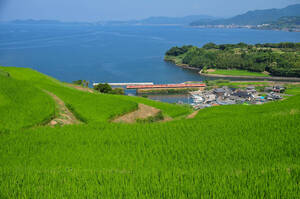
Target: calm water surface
114,53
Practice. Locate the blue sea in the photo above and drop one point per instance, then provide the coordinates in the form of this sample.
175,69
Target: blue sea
114,53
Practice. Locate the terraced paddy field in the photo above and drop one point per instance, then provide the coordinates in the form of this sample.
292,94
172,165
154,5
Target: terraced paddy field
223,152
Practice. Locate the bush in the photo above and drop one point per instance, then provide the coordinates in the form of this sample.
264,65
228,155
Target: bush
103,88
81,82
117,91
152,119
4,73
77,82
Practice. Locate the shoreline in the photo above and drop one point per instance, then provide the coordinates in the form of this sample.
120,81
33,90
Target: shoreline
244,27
185,66
297,79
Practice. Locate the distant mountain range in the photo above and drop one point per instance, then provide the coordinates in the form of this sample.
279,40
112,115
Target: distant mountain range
148,21
165,20
254,18
32,21
177,20
41,22
273,19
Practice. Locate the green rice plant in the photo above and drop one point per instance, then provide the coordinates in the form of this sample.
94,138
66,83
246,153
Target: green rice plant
93,107
89,107
231,151
22,105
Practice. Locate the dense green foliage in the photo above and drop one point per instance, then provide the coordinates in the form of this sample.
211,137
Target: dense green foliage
224,152
282,59
117,91
176,51
106,88
103,88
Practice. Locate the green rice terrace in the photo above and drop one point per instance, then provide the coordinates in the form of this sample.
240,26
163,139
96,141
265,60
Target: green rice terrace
233,151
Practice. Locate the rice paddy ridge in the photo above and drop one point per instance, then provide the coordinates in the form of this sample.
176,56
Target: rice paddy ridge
223,152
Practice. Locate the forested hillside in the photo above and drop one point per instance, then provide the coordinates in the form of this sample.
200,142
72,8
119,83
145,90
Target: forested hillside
282,59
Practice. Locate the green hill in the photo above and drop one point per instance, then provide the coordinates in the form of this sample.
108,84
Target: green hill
287,23
23,105
231,151
256,17
279,59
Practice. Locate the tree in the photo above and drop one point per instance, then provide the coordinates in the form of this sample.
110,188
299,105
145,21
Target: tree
77,82
222,47
210,46
103,88
83,83
258,58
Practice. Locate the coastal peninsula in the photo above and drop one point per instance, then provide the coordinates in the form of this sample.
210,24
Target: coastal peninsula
261,61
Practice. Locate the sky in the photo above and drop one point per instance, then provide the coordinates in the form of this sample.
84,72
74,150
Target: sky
103,10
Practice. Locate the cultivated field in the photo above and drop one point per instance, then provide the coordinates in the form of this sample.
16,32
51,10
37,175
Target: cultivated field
232,151
237,73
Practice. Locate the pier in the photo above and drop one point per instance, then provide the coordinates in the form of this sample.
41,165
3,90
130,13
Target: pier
127,84
165,86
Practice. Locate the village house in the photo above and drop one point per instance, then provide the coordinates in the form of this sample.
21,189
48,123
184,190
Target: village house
227,96
268,89
219,92
251,89
277,89
244,94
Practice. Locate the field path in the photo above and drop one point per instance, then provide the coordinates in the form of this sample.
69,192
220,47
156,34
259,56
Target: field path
80,88
65,116
192,115
143,112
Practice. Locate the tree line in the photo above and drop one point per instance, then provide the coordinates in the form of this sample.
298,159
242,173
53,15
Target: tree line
281,59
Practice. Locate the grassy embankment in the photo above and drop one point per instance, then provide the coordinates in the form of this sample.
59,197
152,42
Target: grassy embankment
224,152
235,72
232,72
22,105
87,105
